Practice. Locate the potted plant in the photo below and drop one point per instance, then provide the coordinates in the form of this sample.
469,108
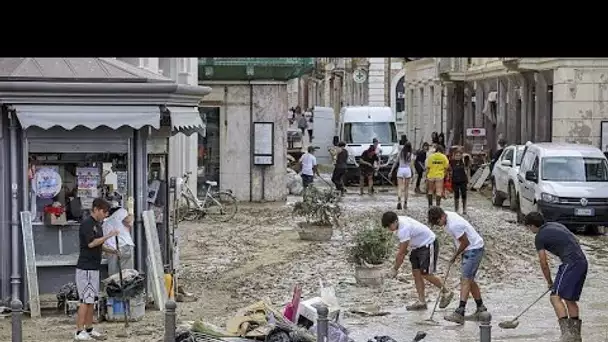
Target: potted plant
321,210
371,249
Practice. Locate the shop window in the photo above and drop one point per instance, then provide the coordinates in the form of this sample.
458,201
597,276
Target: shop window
65,184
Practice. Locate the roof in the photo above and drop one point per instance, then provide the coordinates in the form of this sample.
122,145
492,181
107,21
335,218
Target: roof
93,69
565,149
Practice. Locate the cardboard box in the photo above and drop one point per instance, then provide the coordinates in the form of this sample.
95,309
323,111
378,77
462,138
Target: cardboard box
54,220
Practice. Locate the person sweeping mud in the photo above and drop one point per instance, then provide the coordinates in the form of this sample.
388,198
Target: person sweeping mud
566,290
423,256
309,168
340,168
470,246
437,164
367,167
459,175
404,174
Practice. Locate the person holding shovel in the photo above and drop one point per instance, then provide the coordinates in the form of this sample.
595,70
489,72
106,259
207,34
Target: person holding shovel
423,256
566,290
367,167
469,245
121,221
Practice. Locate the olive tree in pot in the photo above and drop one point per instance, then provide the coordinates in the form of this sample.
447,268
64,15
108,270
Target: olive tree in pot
321,210
372,248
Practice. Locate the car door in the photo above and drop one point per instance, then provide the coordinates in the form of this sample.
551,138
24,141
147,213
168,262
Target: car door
503,170
527,188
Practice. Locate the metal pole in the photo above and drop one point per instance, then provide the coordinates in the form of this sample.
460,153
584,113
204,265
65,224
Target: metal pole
322,323
170,321
485,327
15,233
16,315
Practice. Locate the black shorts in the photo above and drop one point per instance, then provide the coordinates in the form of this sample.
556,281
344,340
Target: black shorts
569,280
366,171
425,258
307,180
460,190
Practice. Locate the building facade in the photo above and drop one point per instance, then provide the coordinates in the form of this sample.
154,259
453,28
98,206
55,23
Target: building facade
182,148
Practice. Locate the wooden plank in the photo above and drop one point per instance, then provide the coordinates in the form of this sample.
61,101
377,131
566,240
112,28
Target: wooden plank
30,263
156,271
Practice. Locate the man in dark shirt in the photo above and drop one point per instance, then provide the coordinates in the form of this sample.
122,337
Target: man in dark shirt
340,168
367,165
420,164
501,144
571,274
87,269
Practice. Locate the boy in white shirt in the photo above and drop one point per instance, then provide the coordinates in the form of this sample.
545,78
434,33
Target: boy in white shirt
470,245
309,167
423,256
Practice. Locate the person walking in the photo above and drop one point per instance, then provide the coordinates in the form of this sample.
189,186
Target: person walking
470,245
310,124
570,278
367,166
121,221
419,164
404,174
459,176
308,165
437,165
302,125
423,256
337,176
92,241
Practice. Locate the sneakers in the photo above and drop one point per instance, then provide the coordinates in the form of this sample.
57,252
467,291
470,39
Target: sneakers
418,306
475,316
96,335
445,299
82,336
455,317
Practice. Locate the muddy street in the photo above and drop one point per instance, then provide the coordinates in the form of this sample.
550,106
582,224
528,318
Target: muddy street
258,255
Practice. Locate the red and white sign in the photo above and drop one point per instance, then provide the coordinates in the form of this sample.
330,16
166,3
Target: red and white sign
476,132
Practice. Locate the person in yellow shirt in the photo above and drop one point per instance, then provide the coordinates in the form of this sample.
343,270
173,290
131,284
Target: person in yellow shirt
437,165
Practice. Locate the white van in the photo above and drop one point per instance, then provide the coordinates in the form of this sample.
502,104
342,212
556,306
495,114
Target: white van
567,183
358,126
324,129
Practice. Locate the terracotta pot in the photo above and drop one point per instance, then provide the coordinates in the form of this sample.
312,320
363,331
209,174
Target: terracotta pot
369,275
312,232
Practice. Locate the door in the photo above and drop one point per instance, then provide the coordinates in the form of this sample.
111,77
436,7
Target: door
527,188
209,148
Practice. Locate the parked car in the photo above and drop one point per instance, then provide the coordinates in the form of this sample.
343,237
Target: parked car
504,176
567,183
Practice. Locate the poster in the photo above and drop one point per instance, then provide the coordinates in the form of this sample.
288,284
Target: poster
47,182
87,181
263,138
121,182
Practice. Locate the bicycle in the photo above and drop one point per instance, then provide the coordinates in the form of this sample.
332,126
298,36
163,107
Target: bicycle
220,206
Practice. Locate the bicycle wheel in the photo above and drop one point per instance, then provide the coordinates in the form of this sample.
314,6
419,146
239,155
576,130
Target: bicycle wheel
221,206
186,210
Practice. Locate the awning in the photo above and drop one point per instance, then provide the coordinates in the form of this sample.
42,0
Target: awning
186,120
70,116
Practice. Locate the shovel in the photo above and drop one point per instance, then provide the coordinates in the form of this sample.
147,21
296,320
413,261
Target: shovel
430,320
125,333
512,324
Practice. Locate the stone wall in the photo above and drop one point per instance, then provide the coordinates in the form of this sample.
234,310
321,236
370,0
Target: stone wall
269,104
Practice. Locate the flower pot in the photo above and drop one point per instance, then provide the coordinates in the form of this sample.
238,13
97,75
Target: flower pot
312,232
369,275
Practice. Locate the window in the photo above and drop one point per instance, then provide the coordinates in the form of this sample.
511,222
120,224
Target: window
365,132
574,169
73,180
527,160
520,154
508,155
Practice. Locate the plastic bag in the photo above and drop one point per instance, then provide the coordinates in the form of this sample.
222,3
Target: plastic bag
328,295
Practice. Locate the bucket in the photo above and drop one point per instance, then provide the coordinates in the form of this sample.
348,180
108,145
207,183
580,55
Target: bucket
116,309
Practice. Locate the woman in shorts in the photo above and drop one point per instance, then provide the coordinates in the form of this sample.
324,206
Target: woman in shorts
437,165
404,174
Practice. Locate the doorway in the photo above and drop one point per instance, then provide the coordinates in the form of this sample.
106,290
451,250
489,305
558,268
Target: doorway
209,149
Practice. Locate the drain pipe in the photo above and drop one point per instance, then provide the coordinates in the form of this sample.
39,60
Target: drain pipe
251,142
15,244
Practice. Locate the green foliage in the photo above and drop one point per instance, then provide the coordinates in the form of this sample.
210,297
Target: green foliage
319,207
372,245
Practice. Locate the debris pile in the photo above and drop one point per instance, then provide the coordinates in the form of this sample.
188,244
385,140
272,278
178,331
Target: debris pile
294,183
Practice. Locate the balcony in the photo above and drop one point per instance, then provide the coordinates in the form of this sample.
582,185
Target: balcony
239,69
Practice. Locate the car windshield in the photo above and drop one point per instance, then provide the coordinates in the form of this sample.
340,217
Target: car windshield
520,154
574,169
365,132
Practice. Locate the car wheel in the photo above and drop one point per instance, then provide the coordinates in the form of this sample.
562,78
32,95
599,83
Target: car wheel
520,215
592,229
497,198
513,205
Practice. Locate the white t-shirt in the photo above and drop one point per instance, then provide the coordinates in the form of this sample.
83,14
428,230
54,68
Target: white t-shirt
418,234
457,226
308,161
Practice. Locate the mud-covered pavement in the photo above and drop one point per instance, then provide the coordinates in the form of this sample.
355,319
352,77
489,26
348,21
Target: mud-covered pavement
258,256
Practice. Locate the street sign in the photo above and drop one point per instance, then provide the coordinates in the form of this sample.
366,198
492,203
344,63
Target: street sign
359,75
